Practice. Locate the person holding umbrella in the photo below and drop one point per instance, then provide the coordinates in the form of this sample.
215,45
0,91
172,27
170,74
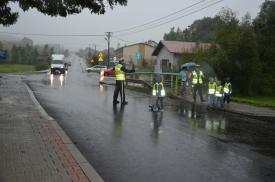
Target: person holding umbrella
184,77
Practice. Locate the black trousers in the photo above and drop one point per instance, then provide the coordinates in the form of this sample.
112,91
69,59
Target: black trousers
197,87
226,98
119,89
159,102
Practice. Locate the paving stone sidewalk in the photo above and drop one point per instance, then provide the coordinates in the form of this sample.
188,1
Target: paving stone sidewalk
30,148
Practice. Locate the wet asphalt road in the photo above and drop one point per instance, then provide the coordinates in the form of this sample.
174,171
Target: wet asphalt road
131,144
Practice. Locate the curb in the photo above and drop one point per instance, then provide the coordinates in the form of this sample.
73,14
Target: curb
249,115
87,168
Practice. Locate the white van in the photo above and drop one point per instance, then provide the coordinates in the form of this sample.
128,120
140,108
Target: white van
57,64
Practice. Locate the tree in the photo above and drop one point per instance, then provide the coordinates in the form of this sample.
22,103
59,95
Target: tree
172,35
14,54
199,31
1,45
237,54
54,8
264,26
46,50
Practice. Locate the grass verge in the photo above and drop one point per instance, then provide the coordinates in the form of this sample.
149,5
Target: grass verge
263,101
15,68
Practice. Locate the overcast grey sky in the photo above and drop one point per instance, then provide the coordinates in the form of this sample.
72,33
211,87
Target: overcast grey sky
137,12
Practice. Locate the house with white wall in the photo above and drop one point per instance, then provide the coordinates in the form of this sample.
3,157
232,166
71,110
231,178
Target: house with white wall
168,53
129,53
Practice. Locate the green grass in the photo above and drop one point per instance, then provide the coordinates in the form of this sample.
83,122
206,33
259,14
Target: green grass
264,101
143,69
15,68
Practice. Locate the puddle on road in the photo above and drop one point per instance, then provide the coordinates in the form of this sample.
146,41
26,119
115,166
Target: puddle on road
229,127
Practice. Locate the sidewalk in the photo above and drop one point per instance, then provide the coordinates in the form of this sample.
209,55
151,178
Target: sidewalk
262,113
33,148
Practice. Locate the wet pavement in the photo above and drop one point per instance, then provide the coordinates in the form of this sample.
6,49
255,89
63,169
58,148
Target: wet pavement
185,142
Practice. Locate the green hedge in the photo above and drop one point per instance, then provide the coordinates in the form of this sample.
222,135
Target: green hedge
41,66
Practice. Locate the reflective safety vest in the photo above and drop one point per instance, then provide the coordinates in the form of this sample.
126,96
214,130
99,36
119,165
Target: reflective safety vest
197,77
226,88
158,90
120,75
212,87
218,92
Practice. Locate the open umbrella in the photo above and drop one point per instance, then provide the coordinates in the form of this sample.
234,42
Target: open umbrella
188,65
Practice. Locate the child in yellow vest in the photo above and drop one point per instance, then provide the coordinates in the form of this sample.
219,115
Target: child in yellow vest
159,92
219,94
211,92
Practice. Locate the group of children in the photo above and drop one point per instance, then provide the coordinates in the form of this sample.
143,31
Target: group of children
219,94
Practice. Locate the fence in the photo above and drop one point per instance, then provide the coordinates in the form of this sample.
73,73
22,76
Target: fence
171,81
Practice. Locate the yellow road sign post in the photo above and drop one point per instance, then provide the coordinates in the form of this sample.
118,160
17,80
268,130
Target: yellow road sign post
100,56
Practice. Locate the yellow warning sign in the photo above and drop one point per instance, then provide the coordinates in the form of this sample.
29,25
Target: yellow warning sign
100,56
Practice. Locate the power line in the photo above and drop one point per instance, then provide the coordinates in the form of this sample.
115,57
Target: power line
168,19
54,35
152,27
176,12
122,39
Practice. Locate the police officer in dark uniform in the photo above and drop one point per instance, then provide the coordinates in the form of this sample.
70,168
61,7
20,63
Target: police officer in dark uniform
120,71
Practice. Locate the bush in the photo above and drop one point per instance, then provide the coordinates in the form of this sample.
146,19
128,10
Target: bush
41,66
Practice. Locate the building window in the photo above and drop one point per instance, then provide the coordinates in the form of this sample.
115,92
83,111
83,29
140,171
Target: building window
165,65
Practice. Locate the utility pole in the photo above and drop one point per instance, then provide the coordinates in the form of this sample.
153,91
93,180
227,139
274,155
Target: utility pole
108,34
89,54
95,49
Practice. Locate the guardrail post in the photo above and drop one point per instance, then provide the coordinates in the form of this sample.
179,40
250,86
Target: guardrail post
171,81
177,79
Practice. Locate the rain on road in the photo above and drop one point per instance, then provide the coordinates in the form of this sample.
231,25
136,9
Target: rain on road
182,143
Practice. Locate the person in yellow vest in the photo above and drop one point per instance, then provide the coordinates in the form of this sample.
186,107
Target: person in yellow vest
159,92
227,90
219,94
120,71
211,91
197,81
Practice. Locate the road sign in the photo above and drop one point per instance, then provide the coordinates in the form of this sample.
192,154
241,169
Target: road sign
138,56
100,56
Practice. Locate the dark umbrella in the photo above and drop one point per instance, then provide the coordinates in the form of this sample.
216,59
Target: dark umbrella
188,65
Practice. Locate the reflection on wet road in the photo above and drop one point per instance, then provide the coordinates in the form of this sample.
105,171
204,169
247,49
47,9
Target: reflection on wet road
60,80
185,142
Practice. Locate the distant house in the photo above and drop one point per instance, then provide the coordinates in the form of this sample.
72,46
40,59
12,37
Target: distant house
142,51
168,53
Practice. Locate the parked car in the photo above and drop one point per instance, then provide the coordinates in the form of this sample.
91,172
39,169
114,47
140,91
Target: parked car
109,72
96,68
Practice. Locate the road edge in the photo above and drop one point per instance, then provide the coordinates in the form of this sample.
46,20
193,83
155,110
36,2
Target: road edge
87,168
244,114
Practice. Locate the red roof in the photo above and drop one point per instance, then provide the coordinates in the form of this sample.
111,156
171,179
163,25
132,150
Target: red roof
179,46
